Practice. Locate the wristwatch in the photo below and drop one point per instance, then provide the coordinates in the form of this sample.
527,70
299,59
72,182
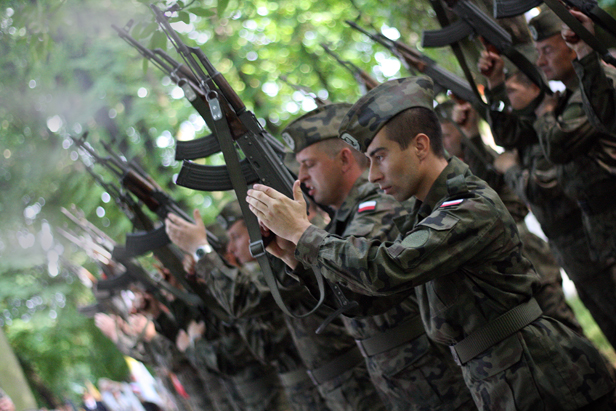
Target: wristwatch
202,251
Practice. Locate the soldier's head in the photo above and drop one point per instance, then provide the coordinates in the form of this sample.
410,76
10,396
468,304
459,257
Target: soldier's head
327,165
554,57
521,91
232,220
395,125
452,134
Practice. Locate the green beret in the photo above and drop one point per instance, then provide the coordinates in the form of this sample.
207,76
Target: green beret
545,24
229,214
317,125
381,104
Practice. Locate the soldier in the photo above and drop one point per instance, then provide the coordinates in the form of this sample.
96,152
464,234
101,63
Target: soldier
461,138
459,249
586,166
597,87
409,371
243,294
533,178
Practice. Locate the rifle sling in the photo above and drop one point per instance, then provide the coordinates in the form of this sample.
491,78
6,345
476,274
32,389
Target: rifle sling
257,247
579,29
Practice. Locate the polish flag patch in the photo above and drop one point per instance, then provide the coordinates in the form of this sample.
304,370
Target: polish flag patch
451,203
367,206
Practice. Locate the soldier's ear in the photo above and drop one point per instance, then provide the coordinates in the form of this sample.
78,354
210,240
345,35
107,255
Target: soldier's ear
346,157
421,145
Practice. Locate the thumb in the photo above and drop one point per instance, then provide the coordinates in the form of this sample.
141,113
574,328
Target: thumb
298,195
197,217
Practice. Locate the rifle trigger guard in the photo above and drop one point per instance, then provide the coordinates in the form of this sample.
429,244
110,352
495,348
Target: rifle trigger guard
212,98
257,249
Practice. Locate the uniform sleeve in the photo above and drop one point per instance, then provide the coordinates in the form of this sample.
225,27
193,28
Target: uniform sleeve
565,137
437,246
235,290
509,129
376,223
598,93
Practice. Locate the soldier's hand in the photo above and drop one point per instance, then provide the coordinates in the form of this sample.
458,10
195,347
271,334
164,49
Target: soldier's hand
466,117
573,40
189,264
505,161
547,105
6,404
284,216
284,250
196,329
186,235
492,66
182,341
107,325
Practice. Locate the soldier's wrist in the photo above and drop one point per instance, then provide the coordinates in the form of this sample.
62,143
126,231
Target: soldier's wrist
202,251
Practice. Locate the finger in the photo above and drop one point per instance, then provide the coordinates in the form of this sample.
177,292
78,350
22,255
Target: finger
175,218
269,191
197,217
298,195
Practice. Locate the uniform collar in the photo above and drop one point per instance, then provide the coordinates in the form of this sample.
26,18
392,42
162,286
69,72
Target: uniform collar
360,189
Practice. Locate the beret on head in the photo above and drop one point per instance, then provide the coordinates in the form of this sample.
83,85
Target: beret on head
545,24
317,125
229,214
364,120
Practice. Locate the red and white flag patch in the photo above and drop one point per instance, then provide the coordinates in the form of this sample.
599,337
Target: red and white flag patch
367,206
451,203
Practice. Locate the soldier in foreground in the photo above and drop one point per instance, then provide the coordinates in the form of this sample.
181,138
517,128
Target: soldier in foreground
461,251
409,371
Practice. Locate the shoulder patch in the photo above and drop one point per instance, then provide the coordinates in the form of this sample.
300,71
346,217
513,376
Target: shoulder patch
451,203
366,206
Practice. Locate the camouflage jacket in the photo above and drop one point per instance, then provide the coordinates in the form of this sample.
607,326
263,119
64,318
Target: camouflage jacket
446,251
598,93
461,251
244,295
585,157
535,179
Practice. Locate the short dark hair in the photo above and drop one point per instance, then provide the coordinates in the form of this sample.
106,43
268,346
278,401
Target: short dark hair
408,123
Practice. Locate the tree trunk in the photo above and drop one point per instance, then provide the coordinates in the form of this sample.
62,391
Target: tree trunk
12,379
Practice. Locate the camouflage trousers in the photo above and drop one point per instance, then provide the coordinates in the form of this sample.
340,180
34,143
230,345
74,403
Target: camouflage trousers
544,366
253,390
301,392
351,391
550,295
595,281
419,375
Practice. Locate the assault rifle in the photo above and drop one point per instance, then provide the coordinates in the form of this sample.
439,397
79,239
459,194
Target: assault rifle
505,8
212,96
137,182
513,8
474,21
413,60
360,75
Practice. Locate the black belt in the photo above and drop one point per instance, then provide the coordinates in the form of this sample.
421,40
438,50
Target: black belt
289,379
334,368
391,338
496,331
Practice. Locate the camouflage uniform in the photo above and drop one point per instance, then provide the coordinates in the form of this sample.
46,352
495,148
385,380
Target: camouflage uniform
534,181
461,251
585,158
415,373
550,295
244,295
598,94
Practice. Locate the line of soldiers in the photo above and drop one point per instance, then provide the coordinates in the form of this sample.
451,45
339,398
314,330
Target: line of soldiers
458,305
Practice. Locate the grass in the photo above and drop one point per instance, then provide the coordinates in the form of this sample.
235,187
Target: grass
591,329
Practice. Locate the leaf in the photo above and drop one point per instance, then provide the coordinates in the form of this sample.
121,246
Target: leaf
144,65
158,40
221,6
183,16
202,12
148,30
